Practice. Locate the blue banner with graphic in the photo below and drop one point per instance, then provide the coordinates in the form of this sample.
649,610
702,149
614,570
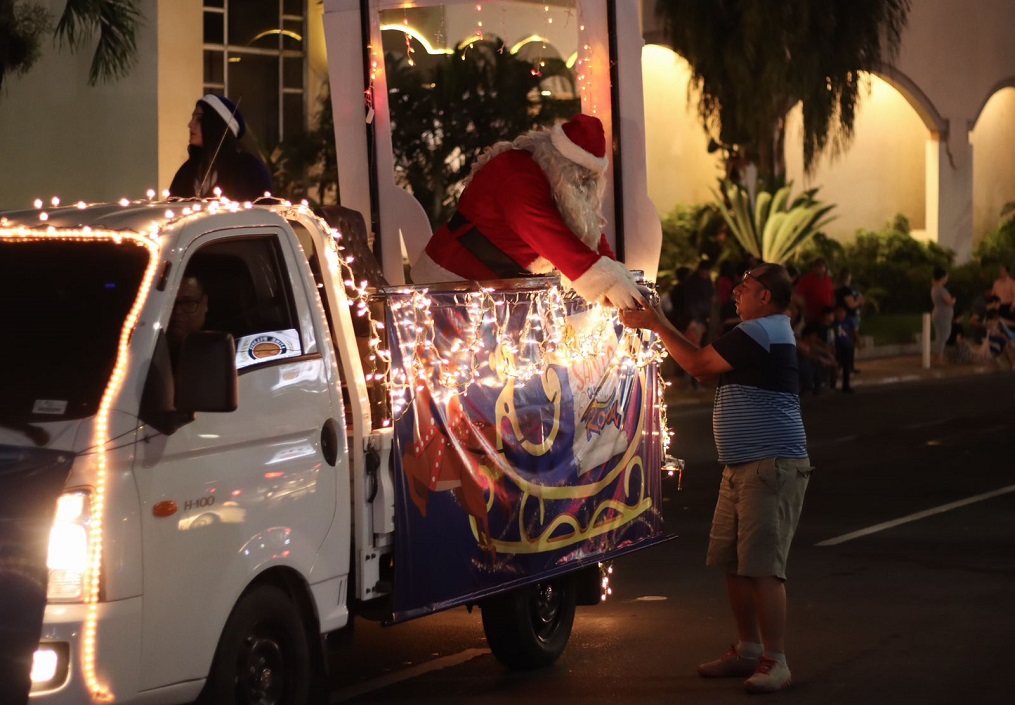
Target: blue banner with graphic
528,441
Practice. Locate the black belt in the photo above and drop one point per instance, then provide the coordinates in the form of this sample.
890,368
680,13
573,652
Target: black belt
480,247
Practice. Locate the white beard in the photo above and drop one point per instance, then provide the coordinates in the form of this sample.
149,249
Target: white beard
577,191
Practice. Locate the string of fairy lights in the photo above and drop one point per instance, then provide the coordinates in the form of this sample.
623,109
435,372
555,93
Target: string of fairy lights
544,339
520,353
89,637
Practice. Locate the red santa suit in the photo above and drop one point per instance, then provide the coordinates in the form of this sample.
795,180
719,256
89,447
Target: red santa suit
508,225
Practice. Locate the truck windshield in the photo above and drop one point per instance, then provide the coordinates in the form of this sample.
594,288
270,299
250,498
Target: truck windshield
62,307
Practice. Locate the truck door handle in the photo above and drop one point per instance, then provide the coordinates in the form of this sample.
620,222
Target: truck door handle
329,441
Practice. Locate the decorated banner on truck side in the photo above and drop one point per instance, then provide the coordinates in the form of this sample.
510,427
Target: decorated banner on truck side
528,440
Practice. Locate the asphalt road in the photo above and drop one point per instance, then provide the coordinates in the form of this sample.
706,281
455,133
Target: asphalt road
901,580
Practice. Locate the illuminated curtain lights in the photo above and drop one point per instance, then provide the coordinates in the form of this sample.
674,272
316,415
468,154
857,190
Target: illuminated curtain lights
542,339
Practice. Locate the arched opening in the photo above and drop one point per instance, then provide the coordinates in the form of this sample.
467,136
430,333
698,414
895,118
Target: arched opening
993,142
885,170
890,167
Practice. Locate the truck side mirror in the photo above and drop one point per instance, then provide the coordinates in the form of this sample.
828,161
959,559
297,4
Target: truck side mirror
206,373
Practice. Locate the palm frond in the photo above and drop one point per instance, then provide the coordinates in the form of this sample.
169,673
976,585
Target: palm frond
777,226
738,217
117,22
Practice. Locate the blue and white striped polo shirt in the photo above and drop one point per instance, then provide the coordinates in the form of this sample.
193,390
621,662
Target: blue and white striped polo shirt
756,414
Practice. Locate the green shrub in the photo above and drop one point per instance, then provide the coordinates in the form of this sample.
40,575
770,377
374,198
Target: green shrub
892,269
691,232
998,247
892,328
772,227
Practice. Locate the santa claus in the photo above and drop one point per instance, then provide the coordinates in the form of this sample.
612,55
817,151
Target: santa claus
534,206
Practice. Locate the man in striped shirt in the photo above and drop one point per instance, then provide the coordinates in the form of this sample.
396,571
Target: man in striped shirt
760,439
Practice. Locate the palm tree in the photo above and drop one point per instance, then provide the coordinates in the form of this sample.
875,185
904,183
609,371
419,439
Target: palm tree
23,25
774,227
753,61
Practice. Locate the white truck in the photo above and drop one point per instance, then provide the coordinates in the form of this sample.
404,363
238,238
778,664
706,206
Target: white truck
181,522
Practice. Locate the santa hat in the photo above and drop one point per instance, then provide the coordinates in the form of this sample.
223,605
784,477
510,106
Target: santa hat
227,110
582,140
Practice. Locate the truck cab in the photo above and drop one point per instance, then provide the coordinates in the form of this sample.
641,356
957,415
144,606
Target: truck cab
159,506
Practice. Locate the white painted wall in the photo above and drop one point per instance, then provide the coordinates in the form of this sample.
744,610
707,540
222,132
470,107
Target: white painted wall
882,174
679,168
61,137
959,57
993,141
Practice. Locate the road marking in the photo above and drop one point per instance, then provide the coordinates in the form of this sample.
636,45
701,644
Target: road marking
913,517
405,674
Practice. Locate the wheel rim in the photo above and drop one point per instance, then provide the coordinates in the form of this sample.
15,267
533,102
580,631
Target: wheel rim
545,609
262,671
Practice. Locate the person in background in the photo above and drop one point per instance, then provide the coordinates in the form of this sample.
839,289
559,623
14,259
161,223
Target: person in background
726,306
698,295
1004,290
817,359
852,300
760,438
845,345
677,314
816,290
942,314
1000,340
216,159
849,297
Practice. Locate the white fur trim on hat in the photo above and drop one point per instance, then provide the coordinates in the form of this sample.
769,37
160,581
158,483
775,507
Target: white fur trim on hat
224,112
575,153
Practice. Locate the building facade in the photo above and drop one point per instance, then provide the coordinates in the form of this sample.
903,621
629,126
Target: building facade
934,137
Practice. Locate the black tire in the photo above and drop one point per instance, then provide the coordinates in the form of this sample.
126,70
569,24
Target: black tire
529,627
263,655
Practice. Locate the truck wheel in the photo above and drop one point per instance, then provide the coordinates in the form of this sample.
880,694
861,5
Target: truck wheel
263,656
529,627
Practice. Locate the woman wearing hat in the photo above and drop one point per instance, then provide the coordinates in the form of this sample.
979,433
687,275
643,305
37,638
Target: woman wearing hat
216,158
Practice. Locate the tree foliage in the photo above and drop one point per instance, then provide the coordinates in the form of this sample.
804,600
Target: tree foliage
998,247
24,24
691,233
752,61
305,166
443,116
774,227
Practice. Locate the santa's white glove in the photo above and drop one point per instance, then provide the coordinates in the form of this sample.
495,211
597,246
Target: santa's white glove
608,279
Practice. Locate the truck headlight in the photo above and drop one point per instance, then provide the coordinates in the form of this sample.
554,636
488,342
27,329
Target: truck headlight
68,548
50,666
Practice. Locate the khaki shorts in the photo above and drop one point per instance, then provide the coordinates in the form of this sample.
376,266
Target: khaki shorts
756,516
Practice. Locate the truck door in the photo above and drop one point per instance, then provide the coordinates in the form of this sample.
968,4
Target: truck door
253,489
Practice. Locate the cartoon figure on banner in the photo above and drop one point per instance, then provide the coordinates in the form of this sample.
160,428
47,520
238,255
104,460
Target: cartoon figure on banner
449,456
534,206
